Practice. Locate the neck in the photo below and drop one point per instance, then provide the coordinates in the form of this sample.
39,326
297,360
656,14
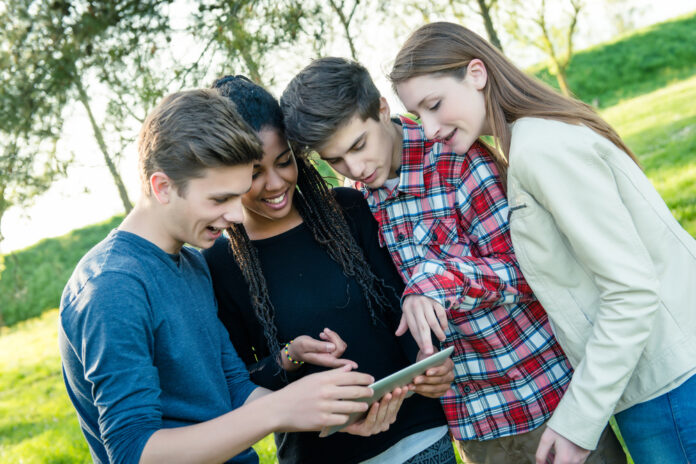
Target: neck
260,227
147,221
397,143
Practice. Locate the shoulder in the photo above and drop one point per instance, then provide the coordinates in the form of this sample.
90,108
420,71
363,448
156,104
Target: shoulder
347,197
352,202
544,135
538,142
109,260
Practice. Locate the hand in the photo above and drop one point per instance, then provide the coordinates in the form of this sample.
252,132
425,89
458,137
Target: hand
318,401
436,380
381,415
420,315
325,353
564,450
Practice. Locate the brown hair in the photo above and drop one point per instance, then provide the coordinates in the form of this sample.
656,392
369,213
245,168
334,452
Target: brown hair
325,96
191,131
447,49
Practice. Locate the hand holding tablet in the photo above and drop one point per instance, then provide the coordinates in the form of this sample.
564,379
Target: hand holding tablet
397,379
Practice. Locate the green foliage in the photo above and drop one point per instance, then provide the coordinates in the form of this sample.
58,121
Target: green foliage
33,278
630,66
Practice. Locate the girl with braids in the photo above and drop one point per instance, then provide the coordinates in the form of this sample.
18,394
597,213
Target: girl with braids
597,244
303,285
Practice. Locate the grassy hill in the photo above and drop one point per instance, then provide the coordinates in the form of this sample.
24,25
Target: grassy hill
37,423
632,65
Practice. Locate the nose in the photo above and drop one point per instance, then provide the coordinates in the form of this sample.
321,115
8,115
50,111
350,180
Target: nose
430,126
235,212
356,167
273,181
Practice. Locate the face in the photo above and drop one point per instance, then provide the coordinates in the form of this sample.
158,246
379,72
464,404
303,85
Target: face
452,110
365,151
274,180
209,205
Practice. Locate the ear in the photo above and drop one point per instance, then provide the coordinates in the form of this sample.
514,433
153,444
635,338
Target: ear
384,110
161,187
477,74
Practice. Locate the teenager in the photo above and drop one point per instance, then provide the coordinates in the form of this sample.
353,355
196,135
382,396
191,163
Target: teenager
612,267
147,364
302,285
443,217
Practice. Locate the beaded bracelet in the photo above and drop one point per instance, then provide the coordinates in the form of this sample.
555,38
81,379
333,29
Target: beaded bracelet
287,354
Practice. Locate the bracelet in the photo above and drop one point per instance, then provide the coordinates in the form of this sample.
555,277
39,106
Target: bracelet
287,354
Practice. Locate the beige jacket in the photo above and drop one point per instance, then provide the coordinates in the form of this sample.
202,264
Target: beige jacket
611,266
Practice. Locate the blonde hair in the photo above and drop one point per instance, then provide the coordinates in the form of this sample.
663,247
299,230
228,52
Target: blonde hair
447,49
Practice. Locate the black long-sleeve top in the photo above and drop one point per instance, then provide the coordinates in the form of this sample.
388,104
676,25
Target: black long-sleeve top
309,292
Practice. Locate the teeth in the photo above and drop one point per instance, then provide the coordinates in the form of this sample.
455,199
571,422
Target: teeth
275,201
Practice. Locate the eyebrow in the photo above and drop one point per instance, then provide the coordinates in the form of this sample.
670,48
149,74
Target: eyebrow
359,139
283,153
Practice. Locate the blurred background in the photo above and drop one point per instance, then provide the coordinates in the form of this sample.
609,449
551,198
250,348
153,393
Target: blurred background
78,78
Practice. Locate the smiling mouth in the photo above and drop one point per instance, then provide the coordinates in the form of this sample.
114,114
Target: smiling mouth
368,179
449,137
276,200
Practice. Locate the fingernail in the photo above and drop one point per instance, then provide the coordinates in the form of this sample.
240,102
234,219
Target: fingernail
330,347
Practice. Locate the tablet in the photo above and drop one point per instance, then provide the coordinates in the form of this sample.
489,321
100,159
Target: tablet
397,379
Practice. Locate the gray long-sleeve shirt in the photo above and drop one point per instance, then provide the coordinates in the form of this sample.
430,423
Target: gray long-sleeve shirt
142,347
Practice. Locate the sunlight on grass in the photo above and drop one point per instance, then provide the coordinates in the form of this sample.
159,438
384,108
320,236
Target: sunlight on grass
37,421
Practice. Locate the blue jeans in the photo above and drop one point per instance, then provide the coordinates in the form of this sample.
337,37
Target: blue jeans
662,430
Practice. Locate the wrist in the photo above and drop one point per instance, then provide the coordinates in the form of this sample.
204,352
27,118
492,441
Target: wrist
289,359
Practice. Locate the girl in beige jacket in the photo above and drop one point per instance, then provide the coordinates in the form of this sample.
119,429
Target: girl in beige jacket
611,266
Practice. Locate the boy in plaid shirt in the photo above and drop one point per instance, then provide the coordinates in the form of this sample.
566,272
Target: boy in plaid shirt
444,219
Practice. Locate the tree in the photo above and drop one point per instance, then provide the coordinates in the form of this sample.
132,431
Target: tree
83,45
244,32
556,41
461,11
345,14
30,114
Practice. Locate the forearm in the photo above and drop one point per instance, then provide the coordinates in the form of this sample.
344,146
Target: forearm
216,440
467,283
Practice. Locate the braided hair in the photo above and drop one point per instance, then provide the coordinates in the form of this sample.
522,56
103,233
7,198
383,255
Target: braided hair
317,206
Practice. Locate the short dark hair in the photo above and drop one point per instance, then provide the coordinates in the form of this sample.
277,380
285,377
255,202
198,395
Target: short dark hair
191,131
324,96
254,103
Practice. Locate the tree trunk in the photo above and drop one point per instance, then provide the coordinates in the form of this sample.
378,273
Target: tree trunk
123,193
490,30
345,22
562,81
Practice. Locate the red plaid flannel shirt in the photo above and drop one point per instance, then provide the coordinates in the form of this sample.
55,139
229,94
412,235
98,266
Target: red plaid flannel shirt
446,227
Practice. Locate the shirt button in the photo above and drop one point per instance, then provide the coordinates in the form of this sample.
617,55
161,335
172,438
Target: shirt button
467,389
448,303
401,237
434,236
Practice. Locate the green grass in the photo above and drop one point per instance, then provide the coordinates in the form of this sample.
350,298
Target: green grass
633,65
33,279
37,421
